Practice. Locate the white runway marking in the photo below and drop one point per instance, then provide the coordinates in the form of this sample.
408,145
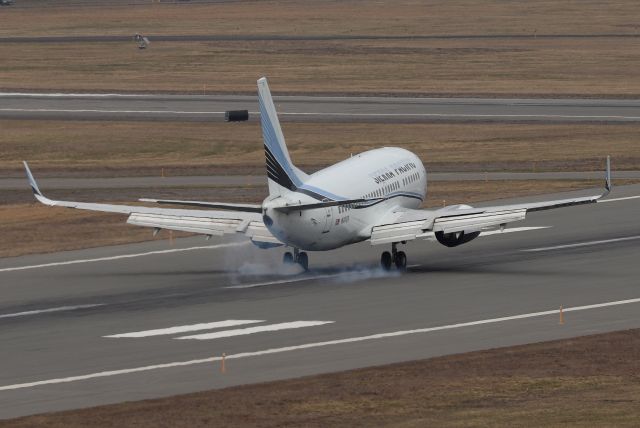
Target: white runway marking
185,328
602,201
470,115
285,281
426,115
513,229
124,256
49,310
310,345
582,244
258,329
71,95
56,110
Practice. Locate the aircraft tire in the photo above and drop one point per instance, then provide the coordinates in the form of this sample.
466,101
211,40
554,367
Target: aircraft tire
385,260
401,260
287,259
303,260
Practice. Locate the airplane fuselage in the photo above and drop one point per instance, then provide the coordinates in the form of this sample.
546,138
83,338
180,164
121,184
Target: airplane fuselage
396,176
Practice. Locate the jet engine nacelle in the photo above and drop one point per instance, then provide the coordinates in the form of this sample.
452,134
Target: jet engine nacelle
456,238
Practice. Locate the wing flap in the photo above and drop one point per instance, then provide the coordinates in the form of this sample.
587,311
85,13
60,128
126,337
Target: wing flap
478,222
205,226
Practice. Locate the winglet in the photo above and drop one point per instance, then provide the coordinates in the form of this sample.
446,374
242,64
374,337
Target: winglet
608,185
34,186
32,181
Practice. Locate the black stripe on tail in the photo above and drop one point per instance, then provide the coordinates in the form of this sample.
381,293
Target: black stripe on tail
275,171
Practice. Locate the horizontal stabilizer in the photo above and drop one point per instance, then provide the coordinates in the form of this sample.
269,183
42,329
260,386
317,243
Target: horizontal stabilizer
302,207
215,205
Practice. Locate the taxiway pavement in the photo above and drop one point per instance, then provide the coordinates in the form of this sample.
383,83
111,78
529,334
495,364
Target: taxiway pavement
96,326
315,108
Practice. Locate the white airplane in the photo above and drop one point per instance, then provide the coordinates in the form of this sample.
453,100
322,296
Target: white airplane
372,196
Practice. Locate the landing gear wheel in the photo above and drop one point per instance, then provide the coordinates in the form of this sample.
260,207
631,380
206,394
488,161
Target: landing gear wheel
303,260
287,259
401,260
385,260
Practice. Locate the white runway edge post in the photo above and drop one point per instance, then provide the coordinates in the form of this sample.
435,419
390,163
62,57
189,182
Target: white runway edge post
311,345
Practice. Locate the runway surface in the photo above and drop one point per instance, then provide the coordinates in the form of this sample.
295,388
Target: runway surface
315,108
111,324
260,180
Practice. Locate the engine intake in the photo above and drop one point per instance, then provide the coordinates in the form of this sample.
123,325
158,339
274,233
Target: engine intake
455,239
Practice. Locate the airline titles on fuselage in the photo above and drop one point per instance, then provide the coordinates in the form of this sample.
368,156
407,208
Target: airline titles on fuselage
393,171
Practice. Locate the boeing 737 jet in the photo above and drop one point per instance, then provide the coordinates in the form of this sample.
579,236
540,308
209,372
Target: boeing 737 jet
374,196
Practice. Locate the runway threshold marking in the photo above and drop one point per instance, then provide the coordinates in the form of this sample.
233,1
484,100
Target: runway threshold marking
184,328
123,256
253,330
582,244
311,345
50,310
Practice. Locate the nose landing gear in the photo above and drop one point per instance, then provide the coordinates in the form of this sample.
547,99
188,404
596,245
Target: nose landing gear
399,258
299,257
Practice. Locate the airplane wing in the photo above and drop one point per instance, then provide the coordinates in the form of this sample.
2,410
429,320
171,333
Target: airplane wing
205,222
461,220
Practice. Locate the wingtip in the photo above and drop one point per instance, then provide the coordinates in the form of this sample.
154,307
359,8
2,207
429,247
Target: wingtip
32,180
608,185
608,177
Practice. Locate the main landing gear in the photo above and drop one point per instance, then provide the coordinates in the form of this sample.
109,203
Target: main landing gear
399,258
299,257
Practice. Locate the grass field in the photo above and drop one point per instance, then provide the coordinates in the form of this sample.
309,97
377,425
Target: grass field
384,17
525,67
582,382
538,66
88,149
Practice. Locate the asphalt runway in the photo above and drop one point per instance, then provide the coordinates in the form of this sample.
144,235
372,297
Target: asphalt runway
130,322
315,108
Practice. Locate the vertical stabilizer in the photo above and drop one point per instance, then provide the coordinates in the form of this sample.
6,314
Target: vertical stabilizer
282,174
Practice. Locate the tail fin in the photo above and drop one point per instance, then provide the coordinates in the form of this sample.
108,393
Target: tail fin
281,172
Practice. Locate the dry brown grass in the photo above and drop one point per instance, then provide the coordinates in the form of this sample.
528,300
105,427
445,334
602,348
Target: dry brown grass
537,66
385,17
581,382
33,228
594,67
138,148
